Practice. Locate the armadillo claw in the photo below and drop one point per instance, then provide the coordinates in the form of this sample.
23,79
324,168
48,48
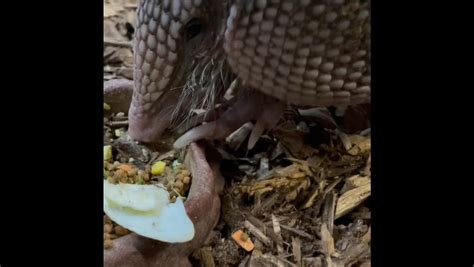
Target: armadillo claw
255,106
204,117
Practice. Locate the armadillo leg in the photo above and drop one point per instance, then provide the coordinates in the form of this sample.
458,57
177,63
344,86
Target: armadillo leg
206,116
250,106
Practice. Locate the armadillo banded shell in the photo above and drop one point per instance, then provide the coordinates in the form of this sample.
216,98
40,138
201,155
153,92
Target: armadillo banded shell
317,49
159,28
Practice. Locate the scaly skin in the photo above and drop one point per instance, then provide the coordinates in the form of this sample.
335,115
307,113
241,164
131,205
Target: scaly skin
302,52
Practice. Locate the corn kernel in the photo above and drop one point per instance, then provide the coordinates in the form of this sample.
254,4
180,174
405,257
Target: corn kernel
158,168
107,153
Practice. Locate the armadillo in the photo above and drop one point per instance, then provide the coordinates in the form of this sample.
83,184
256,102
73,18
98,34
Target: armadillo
305,53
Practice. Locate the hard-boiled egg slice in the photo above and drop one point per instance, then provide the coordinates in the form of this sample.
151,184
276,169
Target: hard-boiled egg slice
146,210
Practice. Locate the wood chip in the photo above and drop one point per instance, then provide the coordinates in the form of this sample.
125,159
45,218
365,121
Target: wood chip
352,198
297,231
360,143
292,195
264,166
296,248
328,261
355,253
314,194
367,236
346,141
313,261
367,168
255,221
245,261
329,207
354,182
207,259
279,241
270,260
327,241
266,204
257,233
357,139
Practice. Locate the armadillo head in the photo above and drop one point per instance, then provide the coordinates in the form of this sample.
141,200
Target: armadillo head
177,58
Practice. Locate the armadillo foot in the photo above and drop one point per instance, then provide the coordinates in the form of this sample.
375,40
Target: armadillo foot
248,106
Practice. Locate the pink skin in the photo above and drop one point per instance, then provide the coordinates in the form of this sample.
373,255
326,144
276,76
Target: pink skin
252,105
203,208
151,126
148,128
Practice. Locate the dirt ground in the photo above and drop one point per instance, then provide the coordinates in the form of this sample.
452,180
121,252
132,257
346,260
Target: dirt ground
300,197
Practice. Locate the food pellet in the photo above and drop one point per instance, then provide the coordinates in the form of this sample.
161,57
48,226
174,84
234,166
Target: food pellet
107,228
186,179
120,231
112,180
107,243
178,185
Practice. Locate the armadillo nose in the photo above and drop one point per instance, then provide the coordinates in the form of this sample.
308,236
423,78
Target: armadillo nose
145,128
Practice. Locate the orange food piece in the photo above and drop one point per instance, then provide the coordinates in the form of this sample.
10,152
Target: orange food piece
126,168
243,240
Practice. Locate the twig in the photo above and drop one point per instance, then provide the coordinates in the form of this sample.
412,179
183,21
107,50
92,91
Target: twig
327,241
279,243
118,123
257,233
296,248
296,231
287,262
268,258
328,210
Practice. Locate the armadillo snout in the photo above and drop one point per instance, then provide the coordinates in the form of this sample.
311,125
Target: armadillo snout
146,128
